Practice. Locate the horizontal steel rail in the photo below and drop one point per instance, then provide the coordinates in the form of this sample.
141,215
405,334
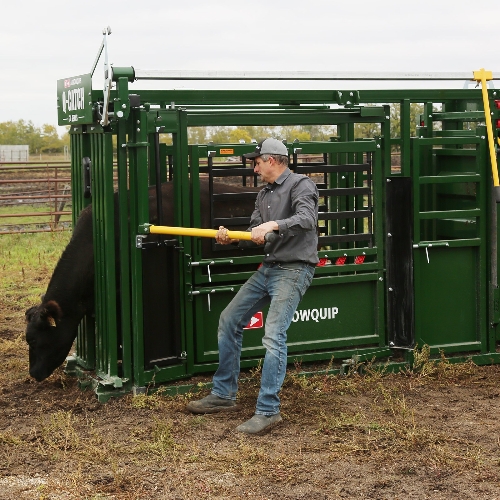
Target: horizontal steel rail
148,74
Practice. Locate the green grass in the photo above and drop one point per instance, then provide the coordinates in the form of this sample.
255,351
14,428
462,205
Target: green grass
7,218
26,264
32,250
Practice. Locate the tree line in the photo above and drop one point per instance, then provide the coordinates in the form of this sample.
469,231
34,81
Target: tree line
46,140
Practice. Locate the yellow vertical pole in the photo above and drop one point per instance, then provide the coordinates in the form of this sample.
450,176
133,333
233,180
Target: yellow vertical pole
481,76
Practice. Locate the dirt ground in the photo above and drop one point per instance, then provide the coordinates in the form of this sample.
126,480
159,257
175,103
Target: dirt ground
432,433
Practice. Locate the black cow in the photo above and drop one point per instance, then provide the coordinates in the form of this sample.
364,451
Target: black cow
52,326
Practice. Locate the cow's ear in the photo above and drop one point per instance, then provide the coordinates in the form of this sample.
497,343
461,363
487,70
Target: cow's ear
29,313
51,312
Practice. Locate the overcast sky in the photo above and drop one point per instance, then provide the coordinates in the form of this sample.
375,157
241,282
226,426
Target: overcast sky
41,42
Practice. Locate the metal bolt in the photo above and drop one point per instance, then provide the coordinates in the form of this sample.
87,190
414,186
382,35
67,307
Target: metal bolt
381,279
138,129
124,106
390,289
138,122
389,235
388,180
378,146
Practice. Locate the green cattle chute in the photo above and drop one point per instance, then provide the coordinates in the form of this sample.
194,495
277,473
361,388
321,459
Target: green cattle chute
408,248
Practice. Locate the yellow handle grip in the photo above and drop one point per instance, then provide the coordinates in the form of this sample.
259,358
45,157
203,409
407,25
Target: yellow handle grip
194,231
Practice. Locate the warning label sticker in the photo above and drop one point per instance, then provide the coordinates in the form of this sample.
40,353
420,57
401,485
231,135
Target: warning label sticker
257,321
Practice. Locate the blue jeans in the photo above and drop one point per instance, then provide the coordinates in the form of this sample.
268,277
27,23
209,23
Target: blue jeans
282,286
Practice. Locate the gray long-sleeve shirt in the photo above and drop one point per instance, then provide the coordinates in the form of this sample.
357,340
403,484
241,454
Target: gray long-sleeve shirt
292,202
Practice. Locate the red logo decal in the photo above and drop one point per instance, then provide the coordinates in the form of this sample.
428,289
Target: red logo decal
257,321
67,83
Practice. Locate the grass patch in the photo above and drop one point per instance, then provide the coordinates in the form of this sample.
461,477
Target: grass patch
33,216
26,264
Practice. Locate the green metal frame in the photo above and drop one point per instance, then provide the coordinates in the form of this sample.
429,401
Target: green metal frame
116,354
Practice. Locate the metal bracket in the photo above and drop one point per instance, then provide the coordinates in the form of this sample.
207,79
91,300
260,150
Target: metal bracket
208,291
108,77
116,382
211,262
356,360
431,245
142,245
139,240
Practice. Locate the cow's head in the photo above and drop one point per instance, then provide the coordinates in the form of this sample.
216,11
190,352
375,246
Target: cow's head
49,343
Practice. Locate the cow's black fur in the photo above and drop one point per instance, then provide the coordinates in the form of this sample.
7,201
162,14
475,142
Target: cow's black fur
52,325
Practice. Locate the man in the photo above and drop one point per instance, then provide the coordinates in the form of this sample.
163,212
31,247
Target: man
288,205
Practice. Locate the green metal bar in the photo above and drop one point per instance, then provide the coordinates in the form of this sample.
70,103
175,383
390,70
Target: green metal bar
379,233
483,264
103,212
124,251
139,213
474,242
275,118
80,148
182,193
450,214
405,135
448,179
297,97
460,116
453,141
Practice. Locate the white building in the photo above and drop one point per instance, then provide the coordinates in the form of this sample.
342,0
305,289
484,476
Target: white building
14,153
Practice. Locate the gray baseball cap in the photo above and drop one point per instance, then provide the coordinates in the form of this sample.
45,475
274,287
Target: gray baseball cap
268,147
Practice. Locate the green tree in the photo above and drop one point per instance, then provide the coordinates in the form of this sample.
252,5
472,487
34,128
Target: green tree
238,135
416,110
197,135
39,139
50,140
318,132
290,133
366,130
219,135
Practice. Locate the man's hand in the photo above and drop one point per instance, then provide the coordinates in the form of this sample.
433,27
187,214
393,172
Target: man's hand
259,232
222,237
